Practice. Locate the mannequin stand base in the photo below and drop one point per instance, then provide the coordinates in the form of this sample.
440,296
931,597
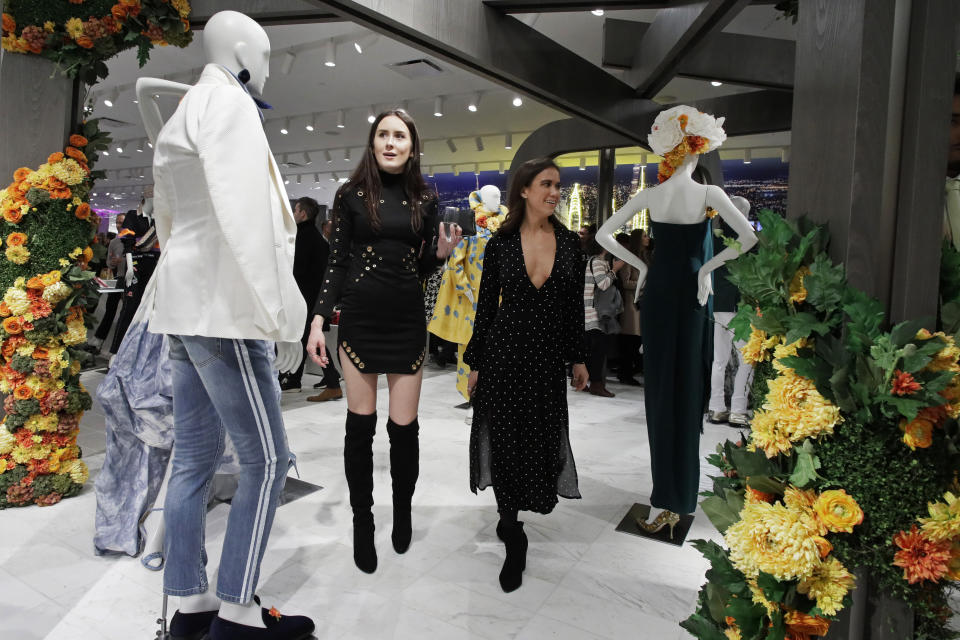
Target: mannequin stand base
225,485
465,405
641,512
295,489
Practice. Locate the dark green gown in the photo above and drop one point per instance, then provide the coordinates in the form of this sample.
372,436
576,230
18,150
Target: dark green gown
677,353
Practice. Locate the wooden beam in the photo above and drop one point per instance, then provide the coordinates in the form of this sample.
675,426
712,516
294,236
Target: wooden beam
553,6
726,57
673,36
265,12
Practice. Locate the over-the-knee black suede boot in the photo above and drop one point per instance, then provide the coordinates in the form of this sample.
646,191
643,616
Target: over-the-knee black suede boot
358,465
404,470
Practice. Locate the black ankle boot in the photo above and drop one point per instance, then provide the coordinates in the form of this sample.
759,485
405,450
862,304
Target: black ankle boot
358,465
404,470
515,540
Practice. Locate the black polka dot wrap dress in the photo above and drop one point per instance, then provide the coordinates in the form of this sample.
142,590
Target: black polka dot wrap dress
375,277
522,339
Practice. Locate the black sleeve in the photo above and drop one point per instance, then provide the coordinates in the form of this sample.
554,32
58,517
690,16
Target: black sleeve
488,304
428,256
339,260
572,303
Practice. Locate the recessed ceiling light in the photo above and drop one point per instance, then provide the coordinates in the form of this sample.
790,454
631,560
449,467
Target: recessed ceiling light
356,45
517,101
597,12
716,83
330,57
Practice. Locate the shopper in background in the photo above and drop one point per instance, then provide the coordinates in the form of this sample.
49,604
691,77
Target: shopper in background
601,320
628,342
117,264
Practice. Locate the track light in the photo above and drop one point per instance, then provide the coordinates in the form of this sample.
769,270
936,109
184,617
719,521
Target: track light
517,101
299,178
346,154
438,106
285,129
140,147
327,156
306,158
312,124
330,55
451,146
111,98
335,177
286,181
119,149
286,61
643,159
785,154
597,12
501,168
371,117
429,172
508,141
106,153
456,172
473,103
285,160
747,156
476,169
583,164
479,142
340,119
356,45
149,144
316,177
716,83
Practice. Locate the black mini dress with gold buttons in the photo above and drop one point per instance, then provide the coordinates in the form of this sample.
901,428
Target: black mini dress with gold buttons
374,276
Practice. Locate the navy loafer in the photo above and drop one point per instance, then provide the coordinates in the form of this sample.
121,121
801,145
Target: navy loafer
279,627
191,626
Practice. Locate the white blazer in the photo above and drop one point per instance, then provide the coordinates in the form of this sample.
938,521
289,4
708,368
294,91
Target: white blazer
223,220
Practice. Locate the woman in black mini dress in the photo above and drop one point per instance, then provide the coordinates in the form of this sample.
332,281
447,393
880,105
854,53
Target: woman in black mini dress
385,234
529,324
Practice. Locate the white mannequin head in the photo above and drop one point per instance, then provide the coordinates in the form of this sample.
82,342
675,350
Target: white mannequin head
490,197
237,42
741,203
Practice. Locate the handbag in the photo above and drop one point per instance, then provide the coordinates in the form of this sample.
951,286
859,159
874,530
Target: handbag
608,302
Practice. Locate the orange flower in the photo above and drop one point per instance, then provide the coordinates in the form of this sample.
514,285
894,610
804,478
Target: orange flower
85,42
132,7
4,310
61,194
838,511
76,154
55,157
88,254
803,623
74,313
21,174
9,24
936,415
23,392
76,140
40,308
13,325
35,283
917,433
823,545
41,353
760,495
904,384
82,211
53,182
17,239
683,119
919,558
118,12
13,216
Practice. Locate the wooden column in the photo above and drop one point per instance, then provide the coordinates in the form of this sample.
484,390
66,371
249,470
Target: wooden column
35,112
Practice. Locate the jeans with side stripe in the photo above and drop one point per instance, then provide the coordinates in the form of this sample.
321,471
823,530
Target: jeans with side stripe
222,385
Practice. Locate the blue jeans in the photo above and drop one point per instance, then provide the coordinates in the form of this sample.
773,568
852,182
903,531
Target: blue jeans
221,384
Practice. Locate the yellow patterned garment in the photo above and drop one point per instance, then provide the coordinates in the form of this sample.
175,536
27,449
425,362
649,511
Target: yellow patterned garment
457,301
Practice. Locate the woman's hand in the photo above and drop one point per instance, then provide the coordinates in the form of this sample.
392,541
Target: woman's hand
472,382
579,376
447,243
317,343
617,265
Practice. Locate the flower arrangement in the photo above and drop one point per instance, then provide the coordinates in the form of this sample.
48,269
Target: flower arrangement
854,440
80,35
484,219
45,233
680,131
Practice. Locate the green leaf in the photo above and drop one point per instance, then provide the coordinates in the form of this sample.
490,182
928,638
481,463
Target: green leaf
702,628
907,407
802,324
773,589
914,359
750,463
772,321
749,616
905,332
717,597
766,484
740,325
825,284
723,511
950,316
805,469
778,627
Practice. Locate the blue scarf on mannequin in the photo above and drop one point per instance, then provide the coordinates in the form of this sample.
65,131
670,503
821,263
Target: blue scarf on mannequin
261,105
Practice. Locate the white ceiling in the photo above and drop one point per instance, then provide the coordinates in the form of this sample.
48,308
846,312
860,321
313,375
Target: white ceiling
360,82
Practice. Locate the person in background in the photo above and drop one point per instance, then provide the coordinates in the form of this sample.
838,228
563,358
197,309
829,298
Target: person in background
309,261
628,342
598,274
951,213
117,264
330,383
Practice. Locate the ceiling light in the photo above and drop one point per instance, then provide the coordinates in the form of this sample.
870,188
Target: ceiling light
438,106
335,177
456,171
285,160
476,169
299,179
517,101
330,55
501,168
312,124
142,174
286,62
140,147
119,149
346,154
479,142
451,146
149,144
429,172
306,158
597,12
583,164
105,152
285,129
327,156
316,177
473,103
286,181
747,156
111,98
340,119
785,154
716,83
508,141
341,179
356,45
371,118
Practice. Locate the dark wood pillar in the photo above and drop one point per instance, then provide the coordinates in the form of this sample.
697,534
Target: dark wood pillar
606,165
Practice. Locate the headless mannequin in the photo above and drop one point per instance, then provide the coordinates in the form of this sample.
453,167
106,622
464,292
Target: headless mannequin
680,200
490,197
236,43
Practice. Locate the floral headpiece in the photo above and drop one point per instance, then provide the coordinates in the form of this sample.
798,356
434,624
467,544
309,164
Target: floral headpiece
680,131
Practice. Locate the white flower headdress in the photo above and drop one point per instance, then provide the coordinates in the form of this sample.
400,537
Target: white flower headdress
673,124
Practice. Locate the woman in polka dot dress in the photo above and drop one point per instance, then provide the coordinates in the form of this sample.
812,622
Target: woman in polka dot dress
529,324
385,234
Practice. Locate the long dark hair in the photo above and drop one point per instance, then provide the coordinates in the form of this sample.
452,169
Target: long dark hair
366,177
516,205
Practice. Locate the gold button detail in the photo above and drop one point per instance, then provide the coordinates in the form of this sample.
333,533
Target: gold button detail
360,193
361,365
367,268
369,248
404,202
344,343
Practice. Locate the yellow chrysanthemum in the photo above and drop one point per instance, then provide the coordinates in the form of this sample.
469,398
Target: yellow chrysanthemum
26,350
76,253
769,434
182,7
7,441
944,521
56,292
48,26
76,333
4,385
758,346
39,423
16,300
74,27
793,411
798,293
786,350
828,585
759,598
23,455
69,171
773,539
18,255
76,469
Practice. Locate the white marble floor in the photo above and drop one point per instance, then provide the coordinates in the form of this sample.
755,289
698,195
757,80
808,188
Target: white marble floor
584,580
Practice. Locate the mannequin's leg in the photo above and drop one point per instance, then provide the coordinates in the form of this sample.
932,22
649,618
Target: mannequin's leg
722,340
403,429
741,383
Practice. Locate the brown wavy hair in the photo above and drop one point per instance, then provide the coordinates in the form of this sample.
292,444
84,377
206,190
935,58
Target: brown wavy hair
516,205
366,176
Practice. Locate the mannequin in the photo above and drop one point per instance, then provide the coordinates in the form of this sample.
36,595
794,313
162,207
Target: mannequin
455,309
220,212
677,326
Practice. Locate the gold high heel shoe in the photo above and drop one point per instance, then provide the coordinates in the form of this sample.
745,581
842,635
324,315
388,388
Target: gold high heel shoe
664,519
